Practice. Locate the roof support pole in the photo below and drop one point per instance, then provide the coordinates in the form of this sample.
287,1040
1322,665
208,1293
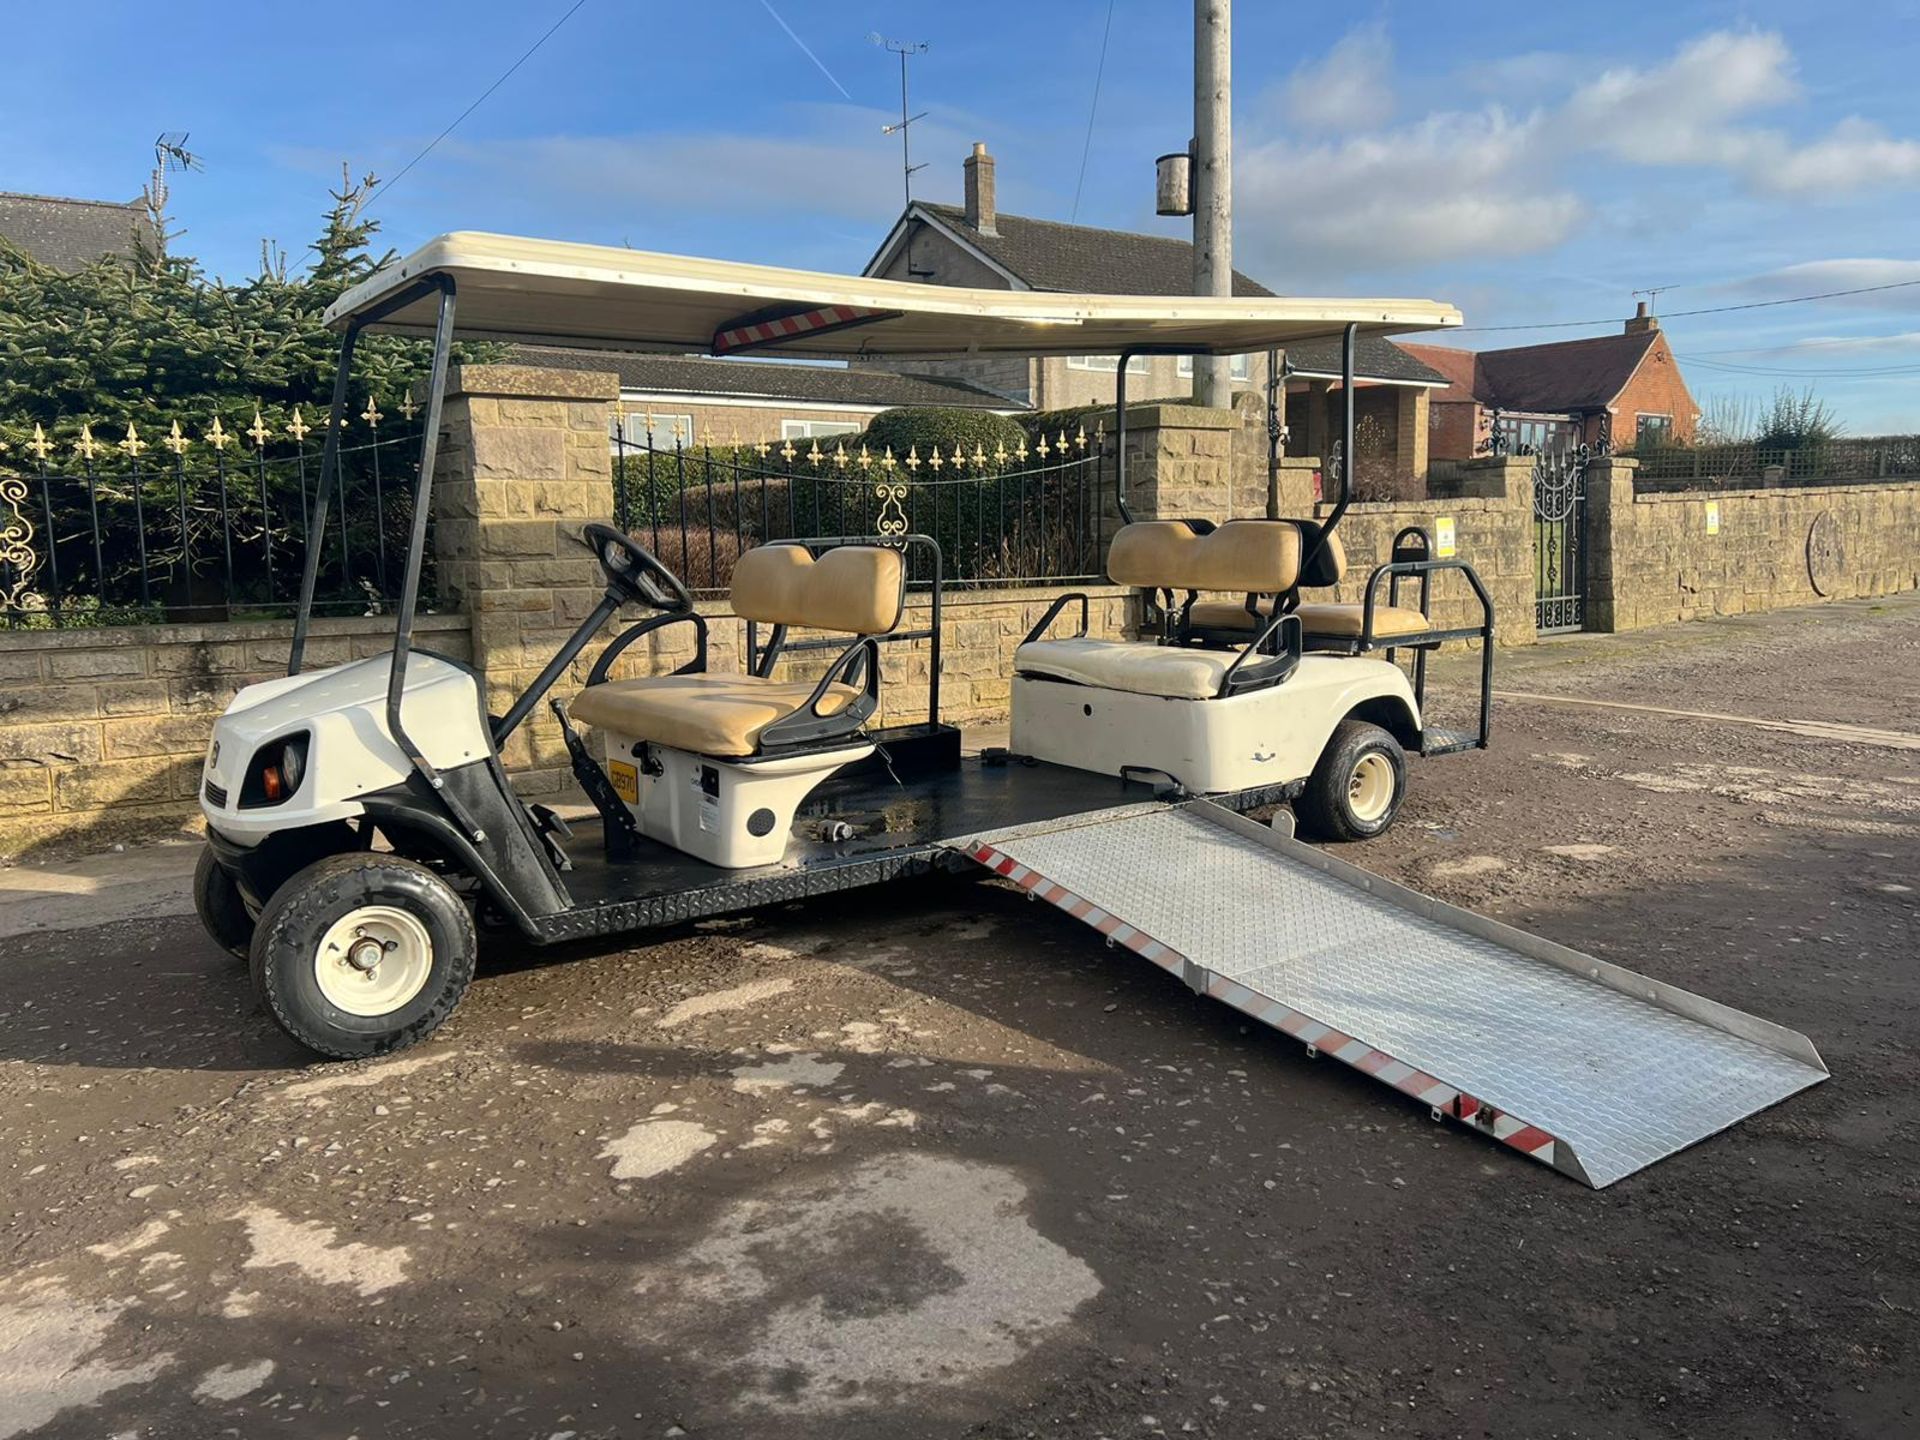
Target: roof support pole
1120,437
1319,540
416,553
329,470
1212,179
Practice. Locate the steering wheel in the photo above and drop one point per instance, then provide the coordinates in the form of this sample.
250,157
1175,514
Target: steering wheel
633,572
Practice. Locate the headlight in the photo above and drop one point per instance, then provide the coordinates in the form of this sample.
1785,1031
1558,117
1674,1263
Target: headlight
275,772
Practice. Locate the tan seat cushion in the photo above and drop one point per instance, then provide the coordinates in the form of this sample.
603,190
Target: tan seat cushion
708,714
1338,621
1251,556
855,589
1227,614
1343,621
1137,666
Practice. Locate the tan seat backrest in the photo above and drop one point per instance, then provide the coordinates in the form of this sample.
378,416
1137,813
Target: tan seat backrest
1251,556
854,589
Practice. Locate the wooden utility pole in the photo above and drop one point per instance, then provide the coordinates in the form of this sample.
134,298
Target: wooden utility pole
1212,177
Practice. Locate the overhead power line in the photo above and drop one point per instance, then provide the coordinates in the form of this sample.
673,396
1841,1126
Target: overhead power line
1099,74
1855,372
1684,314
479,100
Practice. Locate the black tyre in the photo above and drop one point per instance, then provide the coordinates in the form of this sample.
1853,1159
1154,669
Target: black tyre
1356,789
223,914
362,954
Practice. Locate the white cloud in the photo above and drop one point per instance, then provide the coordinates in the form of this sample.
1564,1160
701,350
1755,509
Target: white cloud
1444,188
1350,89
1491,183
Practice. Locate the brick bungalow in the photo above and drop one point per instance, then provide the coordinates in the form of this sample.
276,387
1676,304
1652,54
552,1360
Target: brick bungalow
1626,388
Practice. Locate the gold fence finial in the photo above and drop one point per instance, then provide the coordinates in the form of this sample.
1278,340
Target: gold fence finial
407,407
39,444
372,414
934,460
258,431
86,447
217,435
133,444
913,458
175,441
297,426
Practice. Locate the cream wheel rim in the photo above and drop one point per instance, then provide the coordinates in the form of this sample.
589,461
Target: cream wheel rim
1370,788
373,960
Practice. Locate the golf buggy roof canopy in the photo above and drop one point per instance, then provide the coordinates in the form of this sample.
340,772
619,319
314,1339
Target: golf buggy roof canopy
605,297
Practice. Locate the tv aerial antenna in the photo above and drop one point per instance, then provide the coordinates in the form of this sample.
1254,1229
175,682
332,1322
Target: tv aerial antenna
170,156
904,48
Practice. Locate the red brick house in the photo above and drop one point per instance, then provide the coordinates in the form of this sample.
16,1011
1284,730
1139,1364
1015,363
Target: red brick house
1626,388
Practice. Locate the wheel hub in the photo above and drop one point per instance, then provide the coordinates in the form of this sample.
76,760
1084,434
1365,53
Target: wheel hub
373,960
1370,787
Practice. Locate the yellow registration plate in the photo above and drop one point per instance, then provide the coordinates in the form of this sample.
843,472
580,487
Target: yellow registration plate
626,781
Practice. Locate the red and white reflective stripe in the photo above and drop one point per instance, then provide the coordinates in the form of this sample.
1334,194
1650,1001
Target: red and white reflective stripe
828,317
1440,1097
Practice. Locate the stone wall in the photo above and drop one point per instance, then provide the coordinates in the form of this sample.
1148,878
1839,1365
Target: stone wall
102,732
1654,559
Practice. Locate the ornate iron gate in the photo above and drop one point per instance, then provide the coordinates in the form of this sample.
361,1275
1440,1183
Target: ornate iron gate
1560,539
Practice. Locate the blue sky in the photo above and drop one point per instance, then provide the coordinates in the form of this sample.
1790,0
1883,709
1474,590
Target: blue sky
1527,166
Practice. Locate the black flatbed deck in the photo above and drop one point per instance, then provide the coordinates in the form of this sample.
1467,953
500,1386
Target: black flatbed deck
902,826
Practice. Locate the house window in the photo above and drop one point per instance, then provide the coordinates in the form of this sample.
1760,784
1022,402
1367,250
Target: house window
1537,435
666,431
1137,365
1240,368
815,429
1650,432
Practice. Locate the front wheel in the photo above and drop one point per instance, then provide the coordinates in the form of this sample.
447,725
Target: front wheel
1356,789
223,914
362,954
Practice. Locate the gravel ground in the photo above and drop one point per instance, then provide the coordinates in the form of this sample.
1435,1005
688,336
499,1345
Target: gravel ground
933,1161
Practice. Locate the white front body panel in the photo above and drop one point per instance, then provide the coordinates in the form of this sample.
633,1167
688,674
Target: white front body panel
350,752
1264,737
725,813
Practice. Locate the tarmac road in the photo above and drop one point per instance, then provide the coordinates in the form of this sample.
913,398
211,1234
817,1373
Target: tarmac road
934,1162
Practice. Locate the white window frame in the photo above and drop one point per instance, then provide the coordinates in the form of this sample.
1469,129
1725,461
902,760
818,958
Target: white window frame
1107,364
634,432
1241,370
817,429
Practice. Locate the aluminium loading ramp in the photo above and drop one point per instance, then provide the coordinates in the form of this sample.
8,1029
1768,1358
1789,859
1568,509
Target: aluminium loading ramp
1577,1063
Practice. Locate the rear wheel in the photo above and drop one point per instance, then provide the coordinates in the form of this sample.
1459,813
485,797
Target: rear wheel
223,914
1356,789
362,954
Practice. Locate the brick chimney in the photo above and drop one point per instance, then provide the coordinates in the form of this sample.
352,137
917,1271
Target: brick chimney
980,211
1643,320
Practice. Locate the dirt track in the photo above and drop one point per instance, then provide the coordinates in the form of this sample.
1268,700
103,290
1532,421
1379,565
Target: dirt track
937,1163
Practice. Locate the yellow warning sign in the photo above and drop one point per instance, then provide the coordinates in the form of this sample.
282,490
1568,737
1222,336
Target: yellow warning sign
1713,517
626,781
1443,537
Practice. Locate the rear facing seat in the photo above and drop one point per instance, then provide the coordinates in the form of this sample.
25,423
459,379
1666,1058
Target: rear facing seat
1254,556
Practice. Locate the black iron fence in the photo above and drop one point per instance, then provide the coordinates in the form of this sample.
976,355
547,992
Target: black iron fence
1005,517
204,527
1740,467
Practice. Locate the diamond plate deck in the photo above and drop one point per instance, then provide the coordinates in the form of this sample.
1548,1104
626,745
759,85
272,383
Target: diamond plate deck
1591,1068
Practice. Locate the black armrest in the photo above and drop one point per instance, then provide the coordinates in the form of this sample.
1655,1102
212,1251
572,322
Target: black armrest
808,723
695,666
1250,673
1053,613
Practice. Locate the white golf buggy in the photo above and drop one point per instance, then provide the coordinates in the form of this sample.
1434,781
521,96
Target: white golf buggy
359,818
